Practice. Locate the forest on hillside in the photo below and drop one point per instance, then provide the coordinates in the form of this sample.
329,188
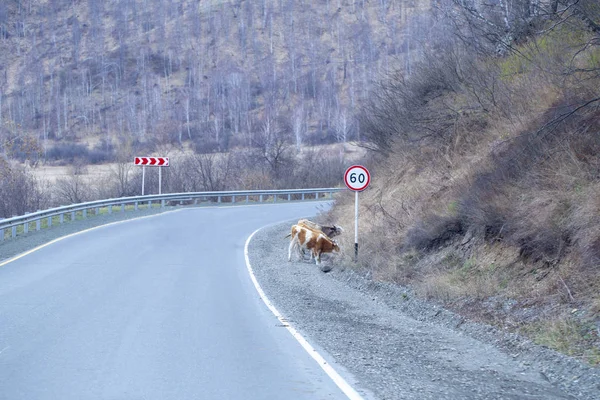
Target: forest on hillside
213,75
249,91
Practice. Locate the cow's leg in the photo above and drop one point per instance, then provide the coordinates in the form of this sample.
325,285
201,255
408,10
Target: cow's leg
317,256
291,248
310,254
300,252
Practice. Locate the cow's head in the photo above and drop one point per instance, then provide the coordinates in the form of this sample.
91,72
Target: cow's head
332,231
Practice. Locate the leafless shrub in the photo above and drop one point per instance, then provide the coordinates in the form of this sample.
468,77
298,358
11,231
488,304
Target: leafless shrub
445,94
433,232
20,192
213,171
205,145
316,168
72,190
66,153
123,178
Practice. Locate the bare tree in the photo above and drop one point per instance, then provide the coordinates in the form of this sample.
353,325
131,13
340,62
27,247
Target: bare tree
20,191
342,126
299,126
213,170
72,189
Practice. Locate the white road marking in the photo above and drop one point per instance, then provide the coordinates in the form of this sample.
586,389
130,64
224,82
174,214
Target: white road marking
337,379
15,258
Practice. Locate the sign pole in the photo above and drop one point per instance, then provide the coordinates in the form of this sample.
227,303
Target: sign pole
356,178
356,226
153,161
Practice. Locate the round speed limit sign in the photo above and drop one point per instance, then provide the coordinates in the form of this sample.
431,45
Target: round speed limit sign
357,178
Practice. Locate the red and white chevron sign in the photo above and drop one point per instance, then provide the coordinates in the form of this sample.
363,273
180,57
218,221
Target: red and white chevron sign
154,161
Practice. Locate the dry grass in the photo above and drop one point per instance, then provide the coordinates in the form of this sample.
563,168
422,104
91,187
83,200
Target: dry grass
509,212
567,335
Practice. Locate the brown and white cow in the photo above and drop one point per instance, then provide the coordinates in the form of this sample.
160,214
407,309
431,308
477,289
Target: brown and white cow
329,231
314,241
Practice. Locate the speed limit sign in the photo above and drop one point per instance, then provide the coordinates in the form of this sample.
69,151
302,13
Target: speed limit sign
357,178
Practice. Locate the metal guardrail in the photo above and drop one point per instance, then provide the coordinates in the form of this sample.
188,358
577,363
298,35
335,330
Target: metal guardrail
230,197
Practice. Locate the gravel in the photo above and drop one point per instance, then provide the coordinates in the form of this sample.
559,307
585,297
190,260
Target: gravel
398,347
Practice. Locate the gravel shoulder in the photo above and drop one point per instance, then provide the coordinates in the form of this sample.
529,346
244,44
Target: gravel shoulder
398,347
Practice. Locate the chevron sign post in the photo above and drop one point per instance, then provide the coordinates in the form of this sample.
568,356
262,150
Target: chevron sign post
153,162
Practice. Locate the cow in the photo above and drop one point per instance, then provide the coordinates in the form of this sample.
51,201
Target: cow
316,242
330,231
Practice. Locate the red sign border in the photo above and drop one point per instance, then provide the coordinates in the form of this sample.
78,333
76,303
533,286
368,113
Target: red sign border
366,183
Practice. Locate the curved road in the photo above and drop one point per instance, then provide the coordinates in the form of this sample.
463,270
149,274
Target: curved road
160,307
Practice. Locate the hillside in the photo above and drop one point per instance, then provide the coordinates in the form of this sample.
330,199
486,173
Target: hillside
241,94
209,75
486,179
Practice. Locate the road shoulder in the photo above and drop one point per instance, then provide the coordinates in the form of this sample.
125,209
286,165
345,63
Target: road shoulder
399,347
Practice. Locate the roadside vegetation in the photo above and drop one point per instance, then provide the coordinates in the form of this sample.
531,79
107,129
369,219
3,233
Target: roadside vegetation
486,179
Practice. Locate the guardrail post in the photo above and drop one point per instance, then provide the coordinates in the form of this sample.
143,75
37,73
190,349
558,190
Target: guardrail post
275,198
84,213
218,199
260,198
233,199
1,235
123,207
97,211
289,196
302,195
331,195
26,227
72,216
135,207
49,222
162,203
196,201
110,209
14,231
38,224
149,204
62,218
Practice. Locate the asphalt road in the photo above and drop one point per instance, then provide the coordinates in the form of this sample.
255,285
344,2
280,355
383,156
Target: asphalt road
160,307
